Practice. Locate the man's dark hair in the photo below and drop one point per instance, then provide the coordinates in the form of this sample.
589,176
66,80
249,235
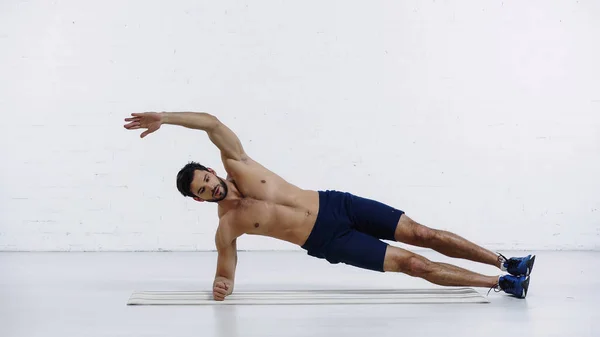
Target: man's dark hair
185,177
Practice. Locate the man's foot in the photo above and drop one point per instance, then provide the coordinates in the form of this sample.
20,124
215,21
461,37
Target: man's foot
518,266
514,285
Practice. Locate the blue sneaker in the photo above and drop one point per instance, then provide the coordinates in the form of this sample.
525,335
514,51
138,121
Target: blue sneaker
518,266
514,285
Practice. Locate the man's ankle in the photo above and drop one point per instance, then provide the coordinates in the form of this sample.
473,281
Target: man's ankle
500,262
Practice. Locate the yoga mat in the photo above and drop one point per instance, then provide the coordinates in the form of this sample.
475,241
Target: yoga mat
295,297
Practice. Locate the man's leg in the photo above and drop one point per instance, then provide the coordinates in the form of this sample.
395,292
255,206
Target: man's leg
365,251
447,243
400,260
388,223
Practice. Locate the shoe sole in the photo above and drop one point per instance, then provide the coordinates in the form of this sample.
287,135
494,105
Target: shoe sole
525,285
530,265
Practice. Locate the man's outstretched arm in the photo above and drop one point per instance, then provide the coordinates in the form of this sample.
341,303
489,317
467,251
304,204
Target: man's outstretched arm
221,135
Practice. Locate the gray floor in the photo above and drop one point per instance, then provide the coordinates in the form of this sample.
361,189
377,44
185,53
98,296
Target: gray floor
84,294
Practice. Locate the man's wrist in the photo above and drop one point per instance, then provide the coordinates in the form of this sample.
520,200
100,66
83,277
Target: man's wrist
164,117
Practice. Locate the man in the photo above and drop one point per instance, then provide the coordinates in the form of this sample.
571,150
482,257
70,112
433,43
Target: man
331,225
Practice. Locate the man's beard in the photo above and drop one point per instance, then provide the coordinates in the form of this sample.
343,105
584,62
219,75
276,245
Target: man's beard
224,190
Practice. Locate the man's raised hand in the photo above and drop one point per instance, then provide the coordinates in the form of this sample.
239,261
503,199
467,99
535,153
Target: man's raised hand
148,120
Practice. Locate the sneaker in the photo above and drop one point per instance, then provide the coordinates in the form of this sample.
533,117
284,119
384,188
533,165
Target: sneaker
514,285
518,266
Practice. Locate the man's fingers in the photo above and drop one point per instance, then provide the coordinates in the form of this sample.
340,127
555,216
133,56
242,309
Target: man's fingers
129,119
145,133
139,114
219,294
220,291
132,124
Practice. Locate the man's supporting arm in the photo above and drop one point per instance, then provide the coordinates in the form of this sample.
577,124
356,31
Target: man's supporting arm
221,135
226,264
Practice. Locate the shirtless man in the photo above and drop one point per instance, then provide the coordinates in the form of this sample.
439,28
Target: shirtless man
331,225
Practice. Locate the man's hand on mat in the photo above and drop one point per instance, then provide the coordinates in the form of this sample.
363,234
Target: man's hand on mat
222,287
149,120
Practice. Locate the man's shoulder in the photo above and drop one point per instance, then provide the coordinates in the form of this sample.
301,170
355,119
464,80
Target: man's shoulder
237,168
224,236
227,230
232,164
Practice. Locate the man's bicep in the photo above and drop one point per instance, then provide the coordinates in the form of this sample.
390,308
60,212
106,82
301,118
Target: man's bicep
227,141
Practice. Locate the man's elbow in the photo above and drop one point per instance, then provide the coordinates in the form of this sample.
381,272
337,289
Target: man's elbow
213,123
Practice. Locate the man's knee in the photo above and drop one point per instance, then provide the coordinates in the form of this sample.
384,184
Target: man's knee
423,234
418,266
408,263
411,232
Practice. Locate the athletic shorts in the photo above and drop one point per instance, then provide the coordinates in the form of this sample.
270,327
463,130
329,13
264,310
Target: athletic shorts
349,229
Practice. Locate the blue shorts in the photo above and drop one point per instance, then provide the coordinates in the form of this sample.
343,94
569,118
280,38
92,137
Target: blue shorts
349,229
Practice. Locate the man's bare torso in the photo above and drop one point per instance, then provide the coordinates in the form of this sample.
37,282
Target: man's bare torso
268,205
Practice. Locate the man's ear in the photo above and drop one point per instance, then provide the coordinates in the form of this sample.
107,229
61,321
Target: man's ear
198,199
211,171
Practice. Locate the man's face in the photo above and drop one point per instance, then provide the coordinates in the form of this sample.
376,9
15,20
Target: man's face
207,186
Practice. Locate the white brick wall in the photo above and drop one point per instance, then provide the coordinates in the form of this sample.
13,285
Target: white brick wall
482,119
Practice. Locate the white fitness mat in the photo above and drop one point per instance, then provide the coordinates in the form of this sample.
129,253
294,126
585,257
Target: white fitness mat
282,297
